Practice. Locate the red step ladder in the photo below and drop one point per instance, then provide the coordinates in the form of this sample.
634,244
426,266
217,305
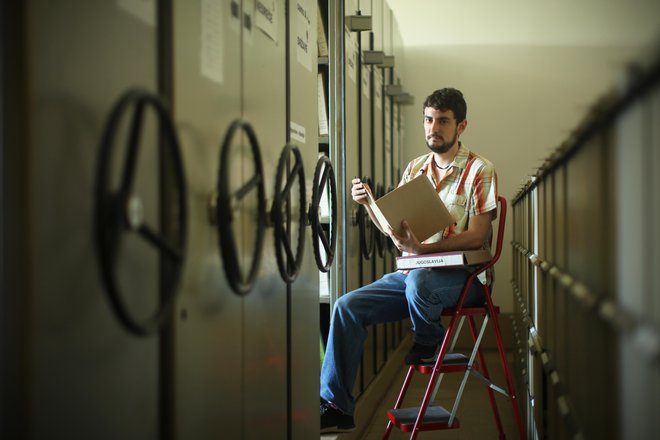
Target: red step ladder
428,417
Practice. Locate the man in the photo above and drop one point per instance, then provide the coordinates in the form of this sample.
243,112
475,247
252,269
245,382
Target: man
467,184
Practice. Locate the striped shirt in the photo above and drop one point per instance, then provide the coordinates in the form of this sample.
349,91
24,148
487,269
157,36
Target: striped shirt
469,188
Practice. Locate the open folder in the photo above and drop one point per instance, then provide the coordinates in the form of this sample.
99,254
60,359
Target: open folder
418,203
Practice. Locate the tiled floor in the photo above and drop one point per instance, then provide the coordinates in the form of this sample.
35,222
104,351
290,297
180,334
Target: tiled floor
474,413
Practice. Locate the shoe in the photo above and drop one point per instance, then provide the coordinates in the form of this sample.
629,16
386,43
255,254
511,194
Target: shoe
422,354
333,420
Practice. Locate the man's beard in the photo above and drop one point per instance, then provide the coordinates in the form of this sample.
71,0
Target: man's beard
444,147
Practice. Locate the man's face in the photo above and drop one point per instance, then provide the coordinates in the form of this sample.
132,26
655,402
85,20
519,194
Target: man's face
441,130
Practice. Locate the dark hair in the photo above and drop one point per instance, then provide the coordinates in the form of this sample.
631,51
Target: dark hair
448,99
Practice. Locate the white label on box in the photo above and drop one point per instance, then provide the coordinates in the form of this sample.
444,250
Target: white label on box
297,132
212,50
304,45
266,18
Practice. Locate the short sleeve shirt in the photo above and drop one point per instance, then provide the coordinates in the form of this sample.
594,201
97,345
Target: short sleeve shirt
469,188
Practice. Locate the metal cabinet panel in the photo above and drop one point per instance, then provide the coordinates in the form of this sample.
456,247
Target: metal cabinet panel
265,307
365,109
377,21
631,161
208,362
353,131
386,174
387,29
304,370
366,128
377,158
380,161
377,161
88,377
586,248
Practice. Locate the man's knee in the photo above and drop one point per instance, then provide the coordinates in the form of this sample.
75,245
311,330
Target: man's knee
415,283
342,303
352,307
346,304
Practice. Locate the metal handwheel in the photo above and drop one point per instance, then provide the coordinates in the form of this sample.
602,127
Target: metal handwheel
289,266
324,179
239,282
119,211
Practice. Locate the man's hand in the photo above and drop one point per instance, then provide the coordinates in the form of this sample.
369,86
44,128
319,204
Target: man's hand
473,237
406,242
359,191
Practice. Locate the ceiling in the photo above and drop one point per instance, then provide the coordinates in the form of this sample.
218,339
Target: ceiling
528,22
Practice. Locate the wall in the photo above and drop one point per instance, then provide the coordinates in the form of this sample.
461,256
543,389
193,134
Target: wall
523,101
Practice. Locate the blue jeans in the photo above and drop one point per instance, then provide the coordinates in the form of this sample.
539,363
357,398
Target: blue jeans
420,295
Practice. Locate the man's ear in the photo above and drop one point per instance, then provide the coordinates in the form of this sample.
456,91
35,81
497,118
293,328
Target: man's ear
461,126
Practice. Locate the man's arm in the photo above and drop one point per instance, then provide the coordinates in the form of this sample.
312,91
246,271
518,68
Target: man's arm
473,237
359,192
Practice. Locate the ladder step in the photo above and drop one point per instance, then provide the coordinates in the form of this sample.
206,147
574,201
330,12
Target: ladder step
455,358
435,418
452,363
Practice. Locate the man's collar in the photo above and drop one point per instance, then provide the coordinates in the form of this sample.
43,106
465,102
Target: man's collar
460,160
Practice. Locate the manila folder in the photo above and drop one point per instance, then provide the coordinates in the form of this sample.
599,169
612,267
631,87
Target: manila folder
418,203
